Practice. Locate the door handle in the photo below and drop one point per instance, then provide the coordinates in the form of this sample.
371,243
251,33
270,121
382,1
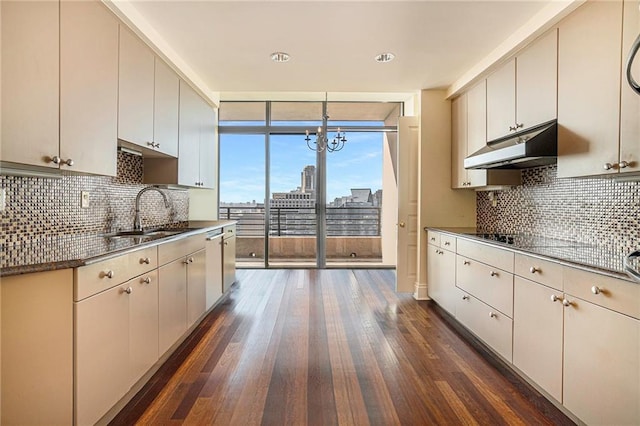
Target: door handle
401,224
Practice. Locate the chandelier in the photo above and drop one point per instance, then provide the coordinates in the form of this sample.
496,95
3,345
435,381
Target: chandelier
322,142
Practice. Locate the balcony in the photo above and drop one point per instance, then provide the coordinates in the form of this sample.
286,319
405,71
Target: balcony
353,234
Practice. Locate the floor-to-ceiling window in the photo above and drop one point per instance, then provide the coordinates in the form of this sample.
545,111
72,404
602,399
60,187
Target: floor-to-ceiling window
296,206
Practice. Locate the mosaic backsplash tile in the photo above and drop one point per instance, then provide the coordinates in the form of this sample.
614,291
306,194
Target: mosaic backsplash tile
40,208
601,213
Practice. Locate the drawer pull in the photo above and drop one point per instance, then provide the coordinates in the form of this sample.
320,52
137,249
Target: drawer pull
466,262
566,303
108,274
433,239
447,243
555,298
145,260
596,290
492,315
465,297
533,270
493,274
188,261
146,280
127,290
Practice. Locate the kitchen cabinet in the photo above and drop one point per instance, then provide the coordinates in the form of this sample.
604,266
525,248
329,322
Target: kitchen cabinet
537,334
214,269
30,82
589,73
197,147
135,90
196,286
469,134
143,325
523,92
37,348
165,109
441,270
630,100
88,87
486,282
229,257
601,351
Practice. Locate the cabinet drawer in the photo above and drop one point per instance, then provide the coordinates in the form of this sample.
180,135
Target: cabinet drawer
94,278
612,293
448,242
501,259
433,238
492,327
175,249
538,270
491,285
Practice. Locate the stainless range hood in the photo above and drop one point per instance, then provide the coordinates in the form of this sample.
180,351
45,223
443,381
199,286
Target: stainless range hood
533,147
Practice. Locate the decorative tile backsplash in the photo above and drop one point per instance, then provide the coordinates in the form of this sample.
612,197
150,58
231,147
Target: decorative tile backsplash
602,213
47,207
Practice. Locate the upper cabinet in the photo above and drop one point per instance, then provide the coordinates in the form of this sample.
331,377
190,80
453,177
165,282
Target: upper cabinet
469,134
135,91
88,87
589,87
147,100
30,81
630,102
522,93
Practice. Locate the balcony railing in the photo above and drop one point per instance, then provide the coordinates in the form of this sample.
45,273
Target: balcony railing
296,221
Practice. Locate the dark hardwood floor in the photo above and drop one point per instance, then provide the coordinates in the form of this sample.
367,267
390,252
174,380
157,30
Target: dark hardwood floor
325,347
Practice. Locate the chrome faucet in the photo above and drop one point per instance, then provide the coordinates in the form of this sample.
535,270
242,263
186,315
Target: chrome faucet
137,226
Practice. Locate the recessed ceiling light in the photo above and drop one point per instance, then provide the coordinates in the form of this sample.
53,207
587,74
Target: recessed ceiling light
385,57
280,57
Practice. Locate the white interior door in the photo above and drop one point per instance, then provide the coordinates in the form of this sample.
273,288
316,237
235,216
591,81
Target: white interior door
408,161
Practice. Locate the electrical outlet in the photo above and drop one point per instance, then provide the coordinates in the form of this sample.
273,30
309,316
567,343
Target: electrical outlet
3,199
84,199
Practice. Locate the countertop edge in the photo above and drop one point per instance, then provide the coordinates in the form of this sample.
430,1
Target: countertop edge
564,262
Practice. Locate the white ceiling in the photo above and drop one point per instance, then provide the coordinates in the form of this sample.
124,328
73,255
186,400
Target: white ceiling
333,43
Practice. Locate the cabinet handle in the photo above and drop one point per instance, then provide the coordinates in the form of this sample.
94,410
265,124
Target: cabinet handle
492,315
466,262
108,274
433,239
512,128
608,166
533,270
226,243
447,243
493,273
188,260
146,280
555,298
566,303
519,125
57,160
596,290
127,290
623,165
465,297
145,260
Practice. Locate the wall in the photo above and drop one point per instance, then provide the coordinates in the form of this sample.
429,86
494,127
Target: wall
600,212
48,207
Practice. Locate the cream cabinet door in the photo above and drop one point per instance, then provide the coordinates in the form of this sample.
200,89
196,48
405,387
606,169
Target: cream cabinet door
189,136
196,286
135,90
537,334
501,101
537,82
477,130
630,102
589,72
30,82
208,141
214,271
143,324
441,272
165,110
88,87
172,301
101,353
601,364
229,262
459,177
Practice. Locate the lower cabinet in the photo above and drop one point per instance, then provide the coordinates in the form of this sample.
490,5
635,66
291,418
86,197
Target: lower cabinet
229,257
601,369
196,286
213,270
172,301
537,334
441,277
143,324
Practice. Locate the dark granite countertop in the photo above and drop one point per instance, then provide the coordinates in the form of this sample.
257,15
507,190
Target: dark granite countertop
50,252
576,254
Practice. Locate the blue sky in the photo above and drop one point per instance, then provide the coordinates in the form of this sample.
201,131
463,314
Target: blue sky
358,165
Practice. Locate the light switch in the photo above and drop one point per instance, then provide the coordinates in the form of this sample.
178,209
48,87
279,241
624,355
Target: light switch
84,199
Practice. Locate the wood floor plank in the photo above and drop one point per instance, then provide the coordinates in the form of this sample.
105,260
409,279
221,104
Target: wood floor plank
332,347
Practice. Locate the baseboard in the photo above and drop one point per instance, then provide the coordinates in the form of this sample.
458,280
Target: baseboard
420,291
